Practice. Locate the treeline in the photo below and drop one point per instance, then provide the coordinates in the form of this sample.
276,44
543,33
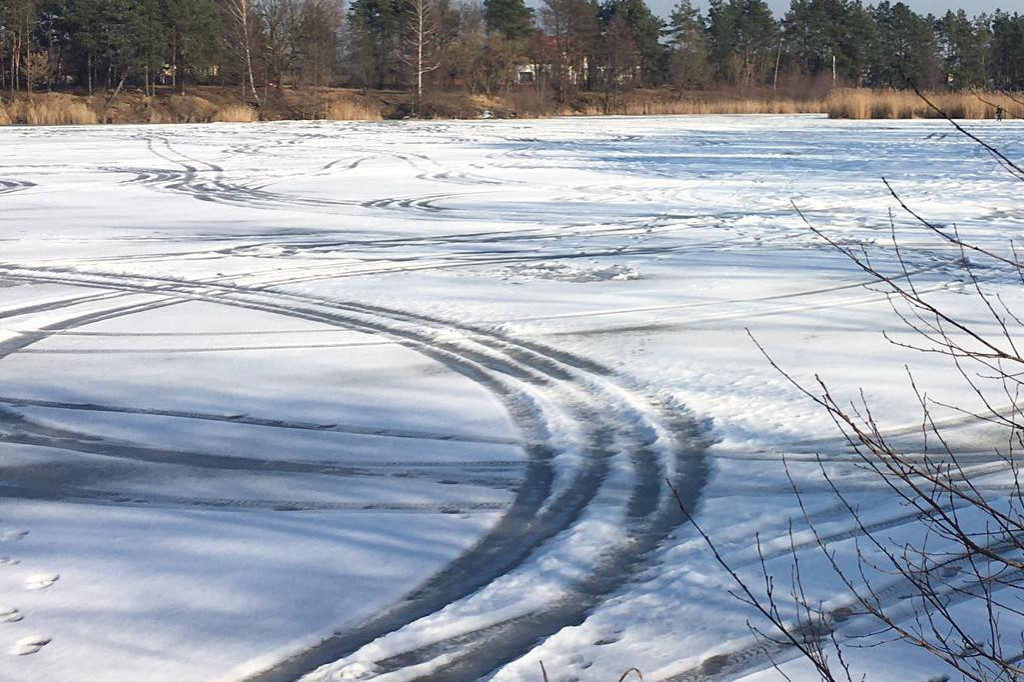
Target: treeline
91,44
562,47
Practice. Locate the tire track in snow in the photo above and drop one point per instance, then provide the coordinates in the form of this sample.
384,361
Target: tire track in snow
258,421
12,186
523,375
26,431
152,500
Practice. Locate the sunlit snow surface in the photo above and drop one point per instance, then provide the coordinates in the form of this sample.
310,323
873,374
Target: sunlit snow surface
260,383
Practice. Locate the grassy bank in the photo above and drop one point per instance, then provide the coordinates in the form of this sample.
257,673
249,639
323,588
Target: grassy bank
213,104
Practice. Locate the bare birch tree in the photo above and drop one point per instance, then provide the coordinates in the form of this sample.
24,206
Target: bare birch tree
421,52
243,20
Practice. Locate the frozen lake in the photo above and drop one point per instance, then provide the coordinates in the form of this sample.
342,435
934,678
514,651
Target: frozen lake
402,399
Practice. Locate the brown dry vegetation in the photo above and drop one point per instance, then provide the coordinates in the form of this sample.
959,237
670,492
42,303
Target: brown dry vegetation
351,111
51,109
333,104
706,106
224,104
238,113
891,104
204,105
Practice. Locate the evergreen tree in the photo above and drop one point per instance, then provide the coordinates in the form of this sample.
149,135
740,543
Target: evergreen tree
53,36
963,44
510,19
743,41
1007,62
688,61
829,37
906,54
152,42
374,42
645,31
197,33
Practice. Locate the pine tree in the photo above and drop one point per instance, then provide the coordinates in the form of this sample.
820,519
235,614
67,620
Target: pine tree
374,42
688,61
1007,62
831,38
744,41
510,19
963,45
645,30
906,54
197,34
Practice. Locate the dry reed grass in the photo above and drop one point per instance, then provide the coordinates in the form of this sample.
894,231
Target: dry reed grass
898,104
701,107
720,106
845,103
235,113
332,104
325,104
348,110
49,110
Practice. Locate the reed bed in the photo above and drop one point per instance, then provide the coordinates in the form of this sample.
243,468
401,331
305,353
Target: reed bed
348,110
325,103
723,106
235,113
49,110
702,106
851,103
899,104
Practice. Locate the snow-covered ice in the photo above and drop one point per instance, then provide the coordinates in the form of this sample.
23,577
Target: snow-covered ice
401,398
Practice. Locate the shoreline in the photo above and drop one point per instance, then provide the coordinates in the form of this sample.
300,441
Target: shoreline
218,104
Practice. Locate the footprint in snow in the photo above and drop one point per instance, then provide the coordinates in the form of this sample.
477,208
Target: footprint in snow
8,561
9,615
12,535
41,581
29,645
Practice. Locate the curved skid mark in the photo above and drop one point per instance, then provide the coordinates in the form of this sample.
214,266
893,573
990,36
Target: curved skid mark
513,371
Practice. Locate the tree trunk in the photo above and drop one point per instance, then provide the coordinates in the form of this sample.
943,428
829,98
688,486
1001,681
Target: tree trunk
240,8
778,58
